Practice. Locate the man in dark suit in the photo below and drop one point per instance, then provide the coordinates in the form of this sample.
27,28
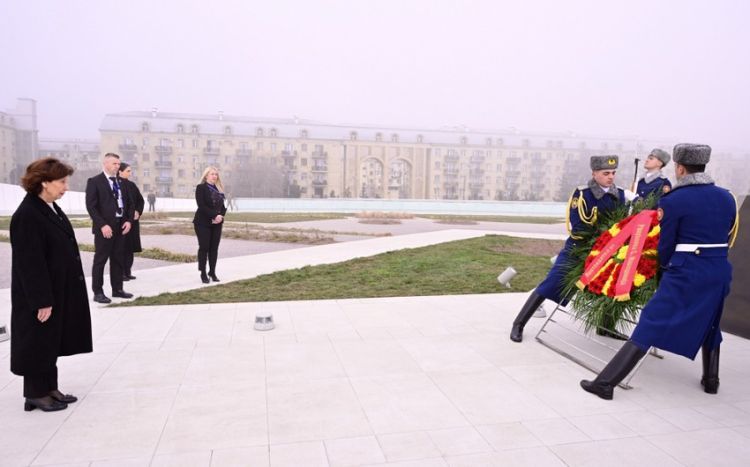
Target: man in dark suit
111,213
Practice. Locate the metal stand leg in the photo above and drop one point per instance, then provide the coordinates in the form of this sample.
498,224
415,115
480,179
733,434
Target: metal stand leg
577,353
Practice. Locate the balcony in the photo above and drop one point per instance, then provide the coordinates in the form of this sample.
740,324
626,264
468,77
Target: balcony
319,182
211,151
288,154
163,150
163,164
451,157
128,148
514,160
476,173
163,180
450,185
244,152
319,168
451,170
477,159
319,155
474,185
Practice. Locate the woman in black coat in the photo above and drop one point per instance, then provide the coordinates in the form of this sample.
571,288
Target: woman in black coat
133,238
50,314
208,221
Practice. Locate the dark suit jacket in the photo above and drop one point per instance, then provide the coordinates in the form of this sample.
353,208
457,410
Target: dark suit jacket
136,200
209,205
102,204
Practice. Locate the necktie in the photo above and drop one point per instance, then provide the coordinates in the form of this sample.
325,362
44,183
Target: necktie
116,192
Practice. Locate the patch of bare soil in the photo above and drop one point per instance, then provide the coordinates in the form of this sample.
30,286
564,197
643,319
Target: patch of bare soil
531,247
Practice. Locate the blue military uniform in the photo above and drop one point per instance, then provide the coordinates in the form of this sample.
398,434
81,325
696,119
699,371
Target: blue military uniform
585,206
658,184
697,220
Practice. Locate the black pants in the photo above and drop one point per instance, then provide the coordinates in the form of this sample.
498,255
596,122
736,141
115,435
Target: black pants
40,384
150,206
209,237
127,263
112,250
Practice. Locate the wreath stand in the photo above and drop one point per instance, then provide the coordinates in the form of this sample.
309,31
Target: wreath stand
582,348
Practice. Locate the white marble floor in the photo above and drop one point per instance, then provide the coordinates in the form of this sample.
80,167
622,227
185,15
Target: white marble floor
412,381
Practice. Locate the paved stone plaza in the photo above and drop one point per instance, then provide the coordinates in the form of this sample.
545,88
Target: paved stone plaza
408,381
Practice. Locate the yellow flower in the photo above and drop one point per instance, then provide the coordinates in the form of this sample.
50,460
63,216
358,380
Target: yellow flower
614,230
639,279
622,252
594,253
655,231
652,253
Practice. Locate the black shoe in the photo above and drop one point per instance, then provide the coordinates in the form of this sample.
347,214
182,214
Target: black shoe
45,404
213,277
122,294
616,370
204,278
101,298
60,397
532,303
128,277
710,379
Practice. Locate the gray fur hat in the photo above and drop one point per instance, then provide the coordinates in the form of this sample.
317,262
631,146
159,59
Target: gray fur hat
691,154
661,154
604,162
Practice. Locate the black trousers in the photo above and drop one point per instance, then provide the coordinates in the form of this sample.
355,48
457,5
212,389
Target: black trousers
40,384
209,237
112,250
127,263
150,206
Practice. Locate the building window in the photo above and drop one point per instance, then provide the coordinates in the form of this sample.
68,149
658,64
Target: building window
145,142
194,129
303,134
273,132
303,162
420,139
464,140
195,143
181,173
180,159
273,148
437,164
146,172
500,142
353,136
288,147
489,142
303,147
259,132
180,143
526,143
394,138
227,130
378,136
180,128
144,126
259,146
437,152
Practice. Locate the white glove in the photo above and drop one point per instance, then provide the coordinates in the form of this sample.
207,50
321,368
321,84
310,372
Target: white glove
629,195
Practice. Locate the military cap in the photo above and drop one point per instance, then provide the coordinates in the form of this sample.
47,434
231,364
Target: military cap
604,162
691,154
660,154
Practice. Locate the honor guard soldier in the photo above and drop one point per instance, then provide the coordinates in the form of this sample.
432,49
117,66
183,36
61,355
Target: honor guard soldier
699,221
585,206
654,181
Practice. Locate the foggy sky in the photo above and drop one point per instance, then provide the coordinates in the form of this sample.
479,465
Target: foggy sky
673,69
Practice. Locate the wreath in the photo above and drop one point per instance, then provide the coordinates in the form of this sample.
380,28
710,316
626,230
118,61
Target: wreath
612,270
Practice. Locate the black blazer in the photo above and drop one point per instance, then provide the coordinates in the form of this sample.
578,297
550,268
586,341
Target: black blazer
209,205
102,204
136,200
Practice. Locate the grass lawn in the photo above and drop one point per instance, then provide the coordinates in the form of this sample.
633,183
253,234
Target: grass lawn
457,219
268,217
459,267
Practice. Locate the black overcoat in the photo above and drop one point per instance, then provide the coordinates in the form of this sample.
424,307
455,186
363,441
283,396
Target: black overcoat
136,201
46,271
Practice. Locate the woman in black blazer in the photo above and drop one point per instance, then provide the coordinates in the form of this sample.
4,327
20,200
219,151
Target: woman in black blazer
133,239
208,221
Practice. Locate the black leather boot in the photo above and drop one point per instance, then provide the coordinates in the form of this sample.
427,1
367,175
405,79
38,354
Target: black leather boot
45,404
532,303
616,370
204,277
710,379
